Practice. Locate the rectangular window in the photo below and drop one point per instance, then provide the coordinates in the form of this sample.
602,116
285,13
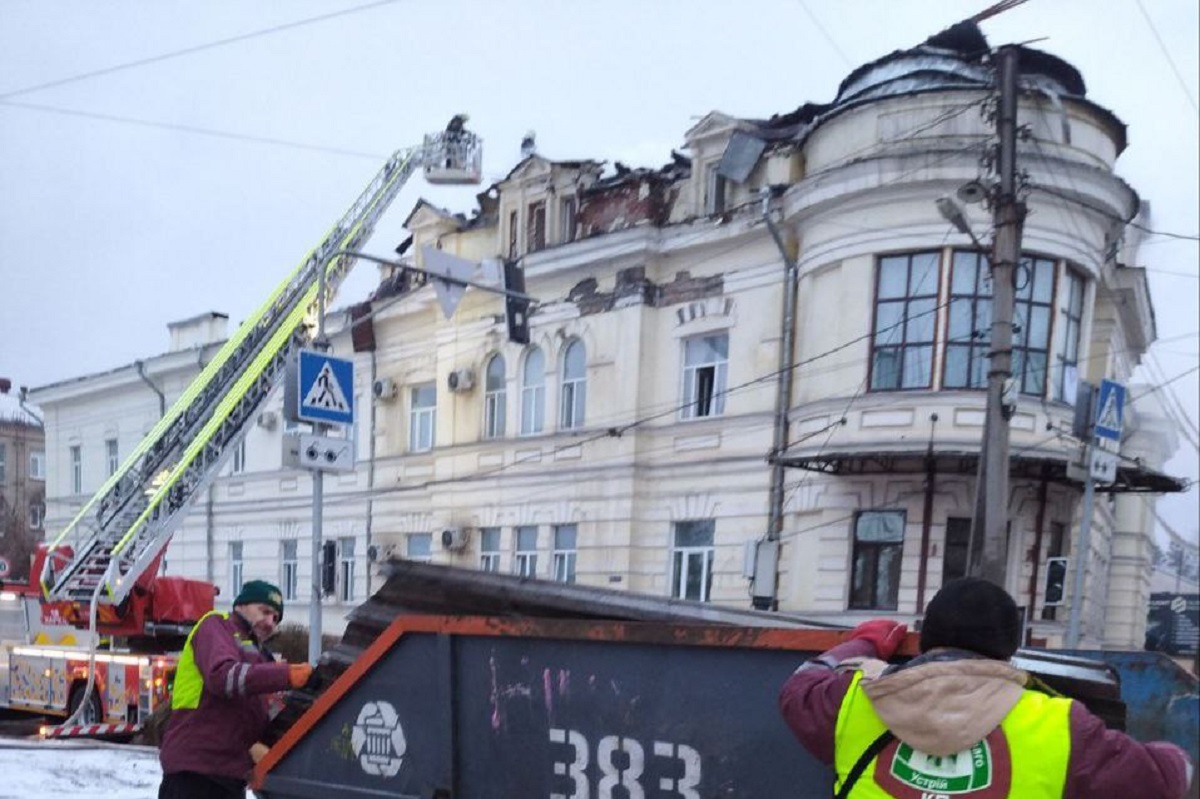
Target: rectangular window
110,456
526,560
3,456
878,545
37,515
905,321
564,552
419,547
37,466
1033,305
513,235
970,322
568,212
1055,548
1072,323
955,549
422,420
535,234
705,372
235,568
290,570
714,190
76,458
346,569
489,549
239,457
692,559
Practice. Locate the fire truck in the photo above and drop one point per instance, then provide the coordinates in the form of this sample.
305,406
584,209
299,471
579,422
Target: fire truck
47,650
107,583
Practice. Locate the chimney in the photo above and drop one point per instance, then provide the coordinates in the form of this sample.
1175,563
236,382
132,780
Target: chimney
528,145
5,385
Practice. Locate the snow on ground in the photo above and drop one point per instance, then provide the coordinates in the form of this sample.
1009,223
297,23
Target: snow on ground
31,769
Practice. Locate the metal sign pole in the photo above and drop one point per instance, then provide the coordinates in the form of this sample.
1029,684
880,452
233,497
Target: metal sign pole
1081,557
314,611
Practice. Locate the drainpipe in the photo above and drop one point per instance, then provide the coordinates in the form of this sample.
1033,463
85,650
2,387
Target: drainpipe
162,398
765,589
1039,531
927,519
370,469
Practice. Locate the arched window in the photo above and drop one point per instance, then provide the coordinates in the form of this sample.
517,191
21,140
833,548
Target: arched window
573,396
493,398
533,392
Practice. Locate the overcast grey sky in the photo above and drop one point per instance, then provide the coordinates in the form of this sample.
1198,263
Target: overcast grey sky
138,195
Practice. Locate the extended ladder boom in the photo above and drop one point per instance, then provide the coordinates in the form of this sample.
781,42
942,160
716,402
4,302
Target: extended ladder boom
130,519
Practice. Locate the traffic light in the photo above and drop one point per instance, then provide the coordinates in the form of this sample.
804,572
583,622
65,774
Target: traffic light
1056,581
329,568
516,311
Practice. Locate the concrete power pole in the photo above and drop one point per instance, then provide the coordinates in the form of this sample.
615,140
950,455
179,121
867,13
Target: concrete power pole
1009,217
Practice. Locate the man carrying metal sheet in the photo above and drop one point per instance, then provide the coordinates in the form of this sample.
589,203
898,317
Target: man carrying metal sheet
959,720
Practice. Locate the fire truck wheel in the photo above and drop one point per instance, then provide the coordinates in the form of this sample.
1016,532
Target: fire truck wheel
91,714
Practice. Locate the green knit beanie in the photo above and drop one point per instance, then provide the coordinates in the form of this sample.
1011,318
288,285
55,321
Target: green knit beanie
261,591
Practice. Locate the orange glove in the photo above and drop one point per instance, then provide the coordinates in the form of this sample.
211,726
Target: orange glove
885,634
298,674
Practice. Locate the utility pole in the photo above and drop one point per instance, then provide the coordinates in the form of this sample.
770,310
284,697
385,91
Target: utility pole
321,344
1008,219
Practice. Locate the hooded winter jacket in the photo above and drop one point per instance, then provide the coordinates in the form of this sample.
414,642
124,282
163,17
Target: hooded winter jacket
942,706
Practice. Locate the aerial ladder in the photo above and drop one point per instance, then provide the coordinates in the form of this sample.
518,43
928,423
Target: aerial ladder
129,521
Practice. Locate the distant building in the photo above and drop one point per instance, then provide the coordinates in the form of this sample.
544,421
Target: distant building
22,483
628,444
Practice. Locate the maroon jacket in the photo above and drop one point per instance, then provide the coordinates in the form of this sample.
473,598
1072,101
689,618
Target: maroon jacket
1103,763
239,677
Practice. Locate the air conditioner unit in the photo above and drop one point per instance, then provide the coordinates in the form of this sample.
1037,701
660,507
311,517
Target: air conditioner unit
455,538
460,380
384,389
267,420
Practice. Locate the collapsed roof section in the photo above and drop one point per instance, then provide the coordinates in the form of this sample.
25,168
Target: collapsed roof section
957,58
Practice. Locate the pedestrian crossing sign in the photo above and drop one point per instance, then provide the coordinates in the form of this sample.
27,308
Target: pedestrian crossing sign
1110,410
325,388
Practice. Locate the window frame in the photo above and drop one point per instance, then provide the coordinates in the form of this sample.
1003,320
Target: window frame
514,234
111,458
1071,320
533,396
422,419
346,568
37,465
716,189
289,568
237,567
489,554
412,543
535,226
1025,306
682,555
37,516
906,300
572,389
495,399
237,464
564,558
568,216
75,454
697,389
960,528
875,549
525,559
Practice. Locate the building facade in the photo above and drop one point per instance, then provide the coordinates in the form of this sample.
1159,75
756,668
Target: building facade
630,443
22,483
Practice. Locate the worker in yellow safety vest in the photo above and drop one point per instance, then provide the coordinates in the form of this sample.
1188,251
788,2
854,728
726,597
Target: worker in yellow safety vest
220,695
960,720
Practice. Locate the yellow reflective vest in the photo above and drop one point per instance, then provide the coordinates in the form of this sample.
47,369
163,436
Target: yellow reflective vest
189,682
1026,757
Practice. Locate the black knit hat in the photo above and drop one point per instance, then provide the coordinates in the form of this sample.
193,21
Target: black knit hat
975,615
261,591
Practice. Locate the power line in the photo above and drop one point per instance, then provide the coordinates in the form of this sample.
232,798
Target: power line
141,62
821,28
193,129
1162,47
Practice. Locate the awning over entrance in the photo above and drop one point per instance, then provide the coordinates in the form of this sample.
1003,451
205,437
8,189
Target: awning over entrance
1132,477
